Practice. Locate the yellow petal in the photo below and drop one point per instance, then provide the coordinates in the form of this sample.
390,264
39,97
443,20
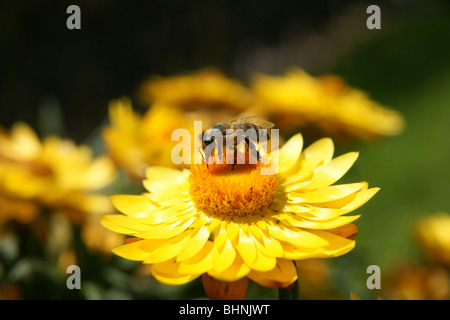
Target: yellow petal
236,271
194,244
132,205
293,252
297,236
233,232
129,223
167,273
223,256
165,249
332,171
157,178
263,262
290,153
350,201
325,194
311,223
348,231
318,153
281,276
328,213
131,251
200,263
336,245
168,214
220,236
165,231
110,223
246,247
270,247
224,252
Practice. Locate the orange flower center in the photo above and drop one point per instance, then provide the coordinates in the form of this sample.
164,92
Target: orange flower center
227,191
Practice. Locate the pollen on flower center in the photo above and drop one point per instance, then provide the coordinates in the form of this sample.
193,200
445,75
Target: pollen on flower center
239,192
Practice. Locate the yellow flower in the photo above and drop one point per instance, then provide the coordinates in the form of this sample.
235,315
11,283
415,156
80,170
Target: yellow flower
52,173
98,238
298,100
135,142
418,282
354,296
240,223
433,235
207,88
20,210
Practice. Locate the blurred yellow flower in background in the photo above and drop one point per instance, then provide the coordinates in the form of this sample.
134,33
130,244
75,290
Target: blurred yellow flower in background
202,89
97,238
298,100
427,278
136,141
433,236
20,210
226,226
54,173
316,280
414,281
240,223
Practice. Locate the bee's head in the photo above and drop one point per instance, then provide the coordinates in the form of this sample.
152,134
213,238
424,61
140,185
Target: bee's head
212,133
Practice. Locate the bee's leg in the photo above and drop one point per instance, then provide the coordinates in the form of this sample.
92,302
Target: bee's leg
234,158
253,149
203,156
258,156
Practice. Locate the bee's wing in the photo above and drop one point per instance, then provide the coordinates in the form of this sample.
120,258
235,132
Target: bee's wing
264,124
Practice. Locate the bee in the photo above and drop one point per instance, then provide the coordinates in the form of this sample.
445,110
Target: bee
231,131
